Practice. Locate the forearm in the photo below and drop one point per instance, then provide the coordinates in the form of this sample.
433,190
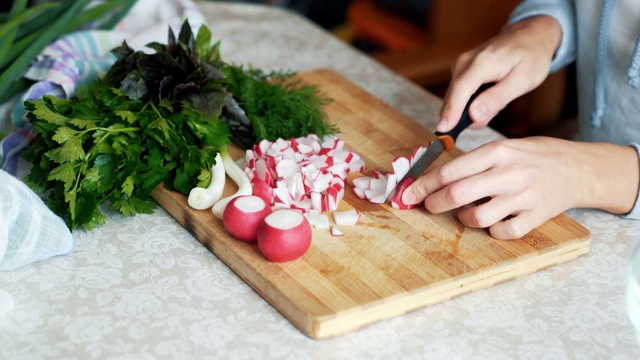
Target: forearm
610,177
564,14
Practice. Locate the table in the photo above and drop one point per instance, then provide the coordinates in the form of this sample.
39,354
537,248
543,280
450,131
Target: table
144,287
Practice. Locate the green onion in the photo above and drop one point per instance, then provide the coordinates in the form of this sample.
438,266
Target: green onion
25,32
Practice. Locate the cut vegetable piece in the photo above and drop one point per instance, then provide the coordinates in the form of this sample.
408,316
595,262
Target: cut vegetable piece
417,153
336,232
307,167
400,166
243,215
284,235
346,217
396,202
262,190
322,222
392,180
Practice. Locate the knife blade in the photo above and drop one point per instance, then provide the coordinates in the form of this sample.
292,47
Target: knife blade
444,142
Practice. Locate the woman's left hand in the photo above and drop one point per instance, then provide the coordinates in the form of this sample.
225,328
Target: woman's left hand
513,186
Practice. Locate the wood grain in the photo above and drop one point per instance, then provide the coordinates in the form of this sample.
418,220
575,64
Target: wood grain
391,262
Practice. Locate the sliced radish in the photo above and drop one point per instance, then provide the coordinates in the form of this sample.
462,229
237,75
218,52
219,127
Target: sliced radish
284,235
336,232
307,166
346,217
400,166
391,183
417,153
242,217
396,202
322,222
378,186
262,190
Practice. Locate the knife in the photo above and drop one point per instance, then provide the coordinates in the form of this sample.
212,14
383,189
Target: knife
444,142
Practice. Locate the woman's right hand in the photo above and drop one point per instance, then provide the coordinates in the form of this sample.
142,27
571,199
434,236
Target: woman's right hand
518,59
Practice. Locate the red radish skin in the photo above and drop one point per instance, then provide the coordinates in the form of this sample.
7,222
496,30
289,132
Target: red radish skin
396,202
243,215
284,235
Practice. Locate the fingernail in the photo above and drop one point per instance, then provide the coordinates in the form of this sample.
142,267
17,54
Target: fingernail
408,197
443,125
479,112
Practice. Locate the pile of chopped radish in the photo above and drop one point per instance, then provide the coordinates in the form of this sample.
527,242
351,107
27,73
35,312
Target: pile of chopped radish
305,173
378,186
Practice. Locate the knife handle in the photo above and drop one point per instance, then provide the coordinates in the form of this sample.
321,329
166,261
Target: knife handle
449,138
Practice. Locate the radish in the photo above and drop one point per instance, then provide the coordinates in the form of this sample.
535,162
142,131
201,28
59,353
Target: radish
396,202
346,217
305,173
204,198
336,232
284,235
322,222
378,186
242,216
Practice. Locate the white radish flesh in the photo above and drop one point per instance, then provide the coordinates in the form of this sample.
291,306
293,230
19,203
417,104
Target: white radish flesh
336,232
346,217
322,222
242,217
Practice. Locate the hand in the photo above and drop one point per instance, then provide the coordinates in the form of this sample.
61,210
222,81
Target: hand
529,181
518,60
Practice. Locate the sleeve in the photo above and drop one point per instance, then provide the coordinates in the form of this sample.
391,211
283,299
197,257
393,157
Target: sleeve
564,13
634,214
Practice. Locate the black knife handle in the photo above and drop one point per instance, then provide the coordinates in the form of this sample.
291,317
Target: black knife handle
465,121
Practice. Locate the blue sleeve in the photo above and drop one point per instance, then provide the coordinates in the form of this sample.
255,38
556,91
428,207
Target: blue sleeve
564,13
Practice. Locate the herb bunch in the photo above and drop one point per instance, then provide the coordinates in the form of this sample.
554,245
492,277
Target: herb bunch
277,105
158,118
151,120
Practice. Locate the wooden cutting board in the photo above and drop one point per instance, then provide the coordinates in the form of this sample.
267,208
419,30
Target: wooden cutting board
392,261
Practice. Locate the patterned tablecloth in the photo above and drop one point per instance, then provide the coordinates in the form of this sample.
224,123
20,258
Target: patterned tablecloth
143,287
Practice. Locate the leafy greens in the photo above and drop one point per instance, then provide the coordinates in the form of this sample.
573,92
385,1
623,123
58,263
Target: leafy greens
158,118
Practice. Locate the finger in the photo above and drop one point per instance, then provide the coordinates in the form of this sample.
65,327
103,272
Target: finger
466,165
466,79
468,190
486,214
517,226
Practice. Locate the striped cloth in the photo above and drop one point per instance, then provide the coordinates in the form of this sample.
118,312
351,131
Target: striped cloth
80,57
29,231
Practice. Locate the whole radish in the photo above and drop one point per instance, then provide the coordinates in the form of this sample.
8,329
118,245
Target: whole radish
242,216
284,235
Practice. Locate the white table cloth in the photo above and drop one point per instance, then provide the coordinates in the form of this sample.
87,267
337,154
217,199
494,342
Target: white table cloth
143,287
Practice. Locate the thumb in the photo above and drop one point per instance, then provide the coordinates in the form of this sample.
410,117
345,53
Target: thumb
414,193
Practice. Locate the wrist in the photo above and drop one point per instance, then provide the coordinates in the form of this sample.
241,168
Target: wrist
610,177
545,29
